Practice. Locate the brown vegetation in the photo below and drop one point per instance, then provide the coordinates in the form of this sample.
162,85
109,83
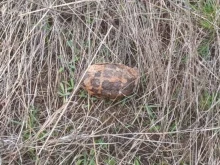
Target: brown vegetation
46,118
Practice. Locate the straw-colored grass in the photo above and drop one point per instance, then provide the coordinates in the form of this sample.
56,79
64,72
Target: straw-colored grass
172,118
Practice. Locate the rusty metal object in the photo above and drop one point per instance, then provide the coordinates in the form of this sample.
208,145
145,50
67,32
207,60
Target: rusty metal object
110,80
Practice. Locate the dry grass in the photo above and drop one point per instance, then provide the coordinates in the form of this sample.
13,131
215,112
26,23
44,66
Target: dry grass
46,118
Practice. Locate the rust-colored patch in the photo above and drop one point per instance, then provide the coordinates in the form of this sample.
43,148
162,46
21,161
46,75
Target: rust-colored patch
110,80
94,90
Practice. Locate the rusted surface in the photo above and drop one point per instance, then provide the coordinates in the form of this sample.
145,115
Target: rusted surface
110,80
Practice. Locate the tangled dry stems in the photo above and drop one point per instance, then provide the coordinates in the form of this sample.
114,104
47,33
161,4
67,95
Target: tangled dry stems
173,118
